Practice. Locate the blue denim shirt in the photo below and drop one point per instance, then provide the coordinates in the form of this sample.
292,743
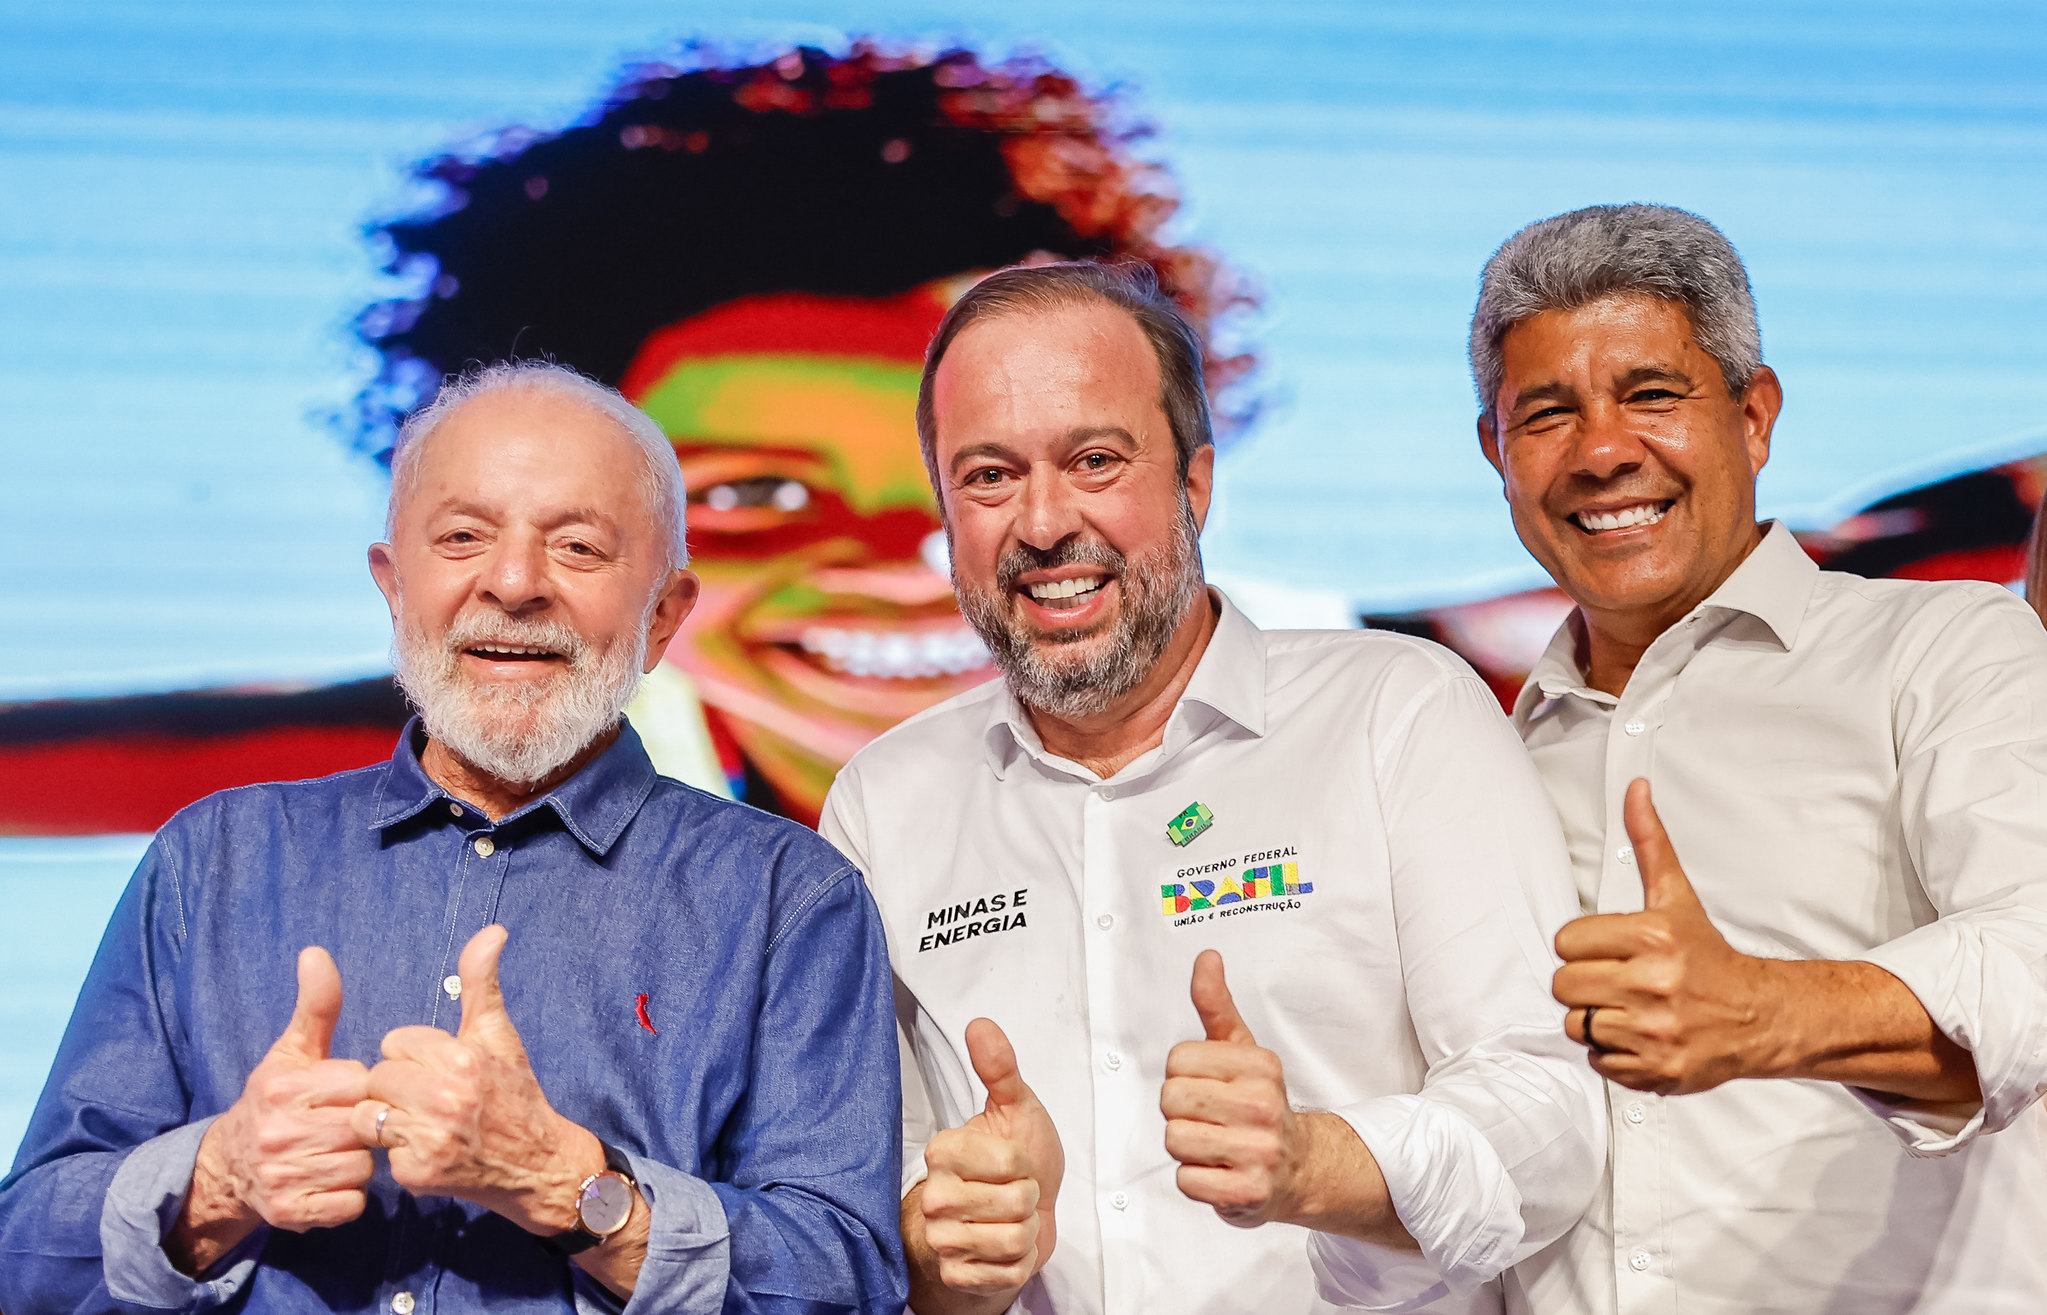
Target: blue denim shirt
758,1100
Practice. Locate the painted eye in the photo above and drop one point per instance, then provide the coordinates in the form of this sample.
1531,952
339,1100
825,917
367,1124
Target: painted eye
783,495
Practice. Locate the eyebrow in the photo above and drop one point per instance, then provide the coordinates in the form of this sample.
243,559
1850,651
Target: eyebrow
569,516
1074,438
1643,374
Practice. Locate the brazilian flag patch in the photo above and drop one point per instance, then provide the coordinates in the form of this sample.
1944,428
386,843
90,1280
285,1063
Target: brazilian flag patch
1192,821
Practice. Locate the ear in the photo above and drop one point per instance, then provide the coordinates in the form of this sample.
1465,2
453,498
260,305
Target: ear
1761,402
678,599
384,570
1201,483
1489,443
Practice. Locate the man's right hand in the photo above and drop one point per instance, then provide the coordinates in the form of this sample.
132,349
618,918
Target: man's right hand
987,1205
283,1154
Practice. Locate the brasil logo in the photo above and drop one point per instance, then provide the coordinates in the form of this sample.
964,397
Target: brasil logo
1270,882
1192,821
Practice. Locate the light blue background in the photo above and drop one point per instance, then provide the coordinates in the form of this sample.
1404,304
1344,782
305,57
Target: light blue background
182,189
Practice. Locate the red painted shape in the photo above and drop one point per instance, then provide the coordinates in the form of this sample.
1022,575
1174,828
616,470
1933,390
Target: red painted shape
98,784
2000,564
792,323
640,1008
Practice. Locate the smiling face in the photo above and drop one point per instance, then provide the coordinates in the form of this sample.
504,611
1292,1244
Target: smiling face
827,614
1074,536
1629,468
527,578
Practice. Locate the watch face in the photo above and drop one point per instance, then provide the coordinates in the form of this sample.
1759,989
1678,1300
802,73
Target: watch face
606,1204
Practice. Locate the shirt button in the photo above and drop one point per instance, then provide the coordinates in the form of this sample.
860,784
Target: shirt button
1121,1200
1113,1060
1639,1261
456,809
1636,1113
453,986
1107,792
484,847
1635,727
1106,921
1626,854
402,1304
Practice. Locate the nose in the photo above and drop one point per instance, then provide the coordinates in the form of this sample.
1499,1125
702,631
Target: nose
1047,511
514,575
1607,444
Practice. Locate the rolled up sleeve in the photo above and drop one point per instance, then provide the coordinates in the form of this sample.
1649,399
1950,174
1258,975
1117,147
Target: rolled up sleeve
1971,727
1501,1150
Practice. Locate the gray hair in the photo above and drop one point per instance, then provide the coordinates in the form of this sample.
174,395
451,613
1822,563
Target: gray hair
1575,259
1025,289
660,479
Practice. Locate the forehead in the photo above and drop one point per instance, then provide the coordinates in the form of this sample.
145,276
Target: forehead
529,452
1052,369
1613,332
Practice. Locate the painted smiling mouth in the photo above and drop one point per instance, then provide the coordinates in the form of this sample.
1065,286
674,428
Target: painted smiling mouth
1624,518
895,654
1062,594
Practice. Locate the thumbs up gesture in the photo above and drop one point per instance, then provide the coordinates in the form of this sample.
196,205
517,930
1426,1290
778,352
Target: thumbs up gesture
284,1154
987,1204
1228,1122
1671,1006
464,1116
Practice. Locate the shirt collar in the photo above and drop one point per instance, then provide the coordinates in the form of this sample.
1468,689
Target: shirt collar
595,804
1229,680
1773,584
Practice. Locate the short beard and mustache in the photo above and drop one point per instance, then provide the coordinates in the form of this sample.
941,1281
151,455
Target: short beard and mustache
1078,674
520,732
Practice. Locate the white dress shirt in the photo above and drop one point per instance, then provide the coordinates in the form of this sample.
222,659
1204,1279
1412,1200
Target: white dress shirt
1383,875
1848,769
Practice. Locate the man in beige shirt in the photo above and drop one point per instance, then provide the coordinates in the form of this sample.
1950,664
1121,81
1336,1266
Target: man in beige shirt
1814,962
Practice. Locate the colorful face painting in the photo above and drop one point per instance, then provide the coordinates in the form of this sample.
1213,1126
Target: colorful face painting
757,255
827,612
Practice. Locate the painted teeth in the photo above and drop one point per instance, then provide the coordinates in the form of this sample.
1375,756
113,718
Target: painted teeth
1647,513
897,655
1066,588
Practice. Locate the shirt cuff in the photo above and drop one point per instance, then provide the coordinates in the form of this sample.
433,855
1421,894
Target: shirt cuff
142,1206
1924,1127
689,1260
1921,959
1451,1191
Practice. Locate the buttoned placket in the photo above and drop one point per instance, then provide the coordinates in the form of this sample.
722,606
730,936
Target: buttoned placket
481,859
1109,1068
1637,1119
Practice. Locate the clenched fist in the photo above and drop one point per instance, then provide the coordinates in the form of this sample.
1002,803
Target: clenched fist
987,1205
464,1116
284,1154
1228,1122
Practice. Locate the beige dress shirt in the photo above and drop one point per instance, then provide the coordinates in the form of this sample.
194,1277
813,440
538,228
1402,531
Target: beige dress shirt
1849,769
1383,874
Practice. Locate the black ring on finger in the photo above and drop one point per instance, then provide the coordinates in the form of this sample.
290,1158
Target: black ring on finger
1585,1030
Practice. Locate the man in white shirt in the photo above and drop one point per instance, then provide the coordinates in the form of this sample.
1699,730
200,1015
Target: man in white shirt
1059,857
1840,885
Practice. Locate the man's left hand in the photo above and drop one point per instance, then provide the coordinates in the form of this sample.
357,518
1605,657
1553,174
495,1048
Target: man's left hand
467,1117
1674,1007
1228,1122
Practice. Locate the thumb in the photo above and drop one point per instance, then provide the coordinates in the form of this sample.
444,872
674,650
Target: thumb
1219,1017
1663,879
310,1033
995,1063
483,1002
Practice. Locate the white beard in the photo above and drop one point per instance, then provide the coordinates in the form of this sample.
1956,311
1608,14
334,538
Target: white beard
524,731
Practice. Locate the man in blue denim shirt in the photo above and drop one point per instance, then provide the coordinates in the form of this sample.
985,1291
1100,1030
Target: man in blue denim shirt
637,1044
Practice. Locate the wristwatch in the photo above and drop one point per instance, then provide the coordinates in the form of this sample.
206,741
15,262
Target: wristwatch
603,1205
